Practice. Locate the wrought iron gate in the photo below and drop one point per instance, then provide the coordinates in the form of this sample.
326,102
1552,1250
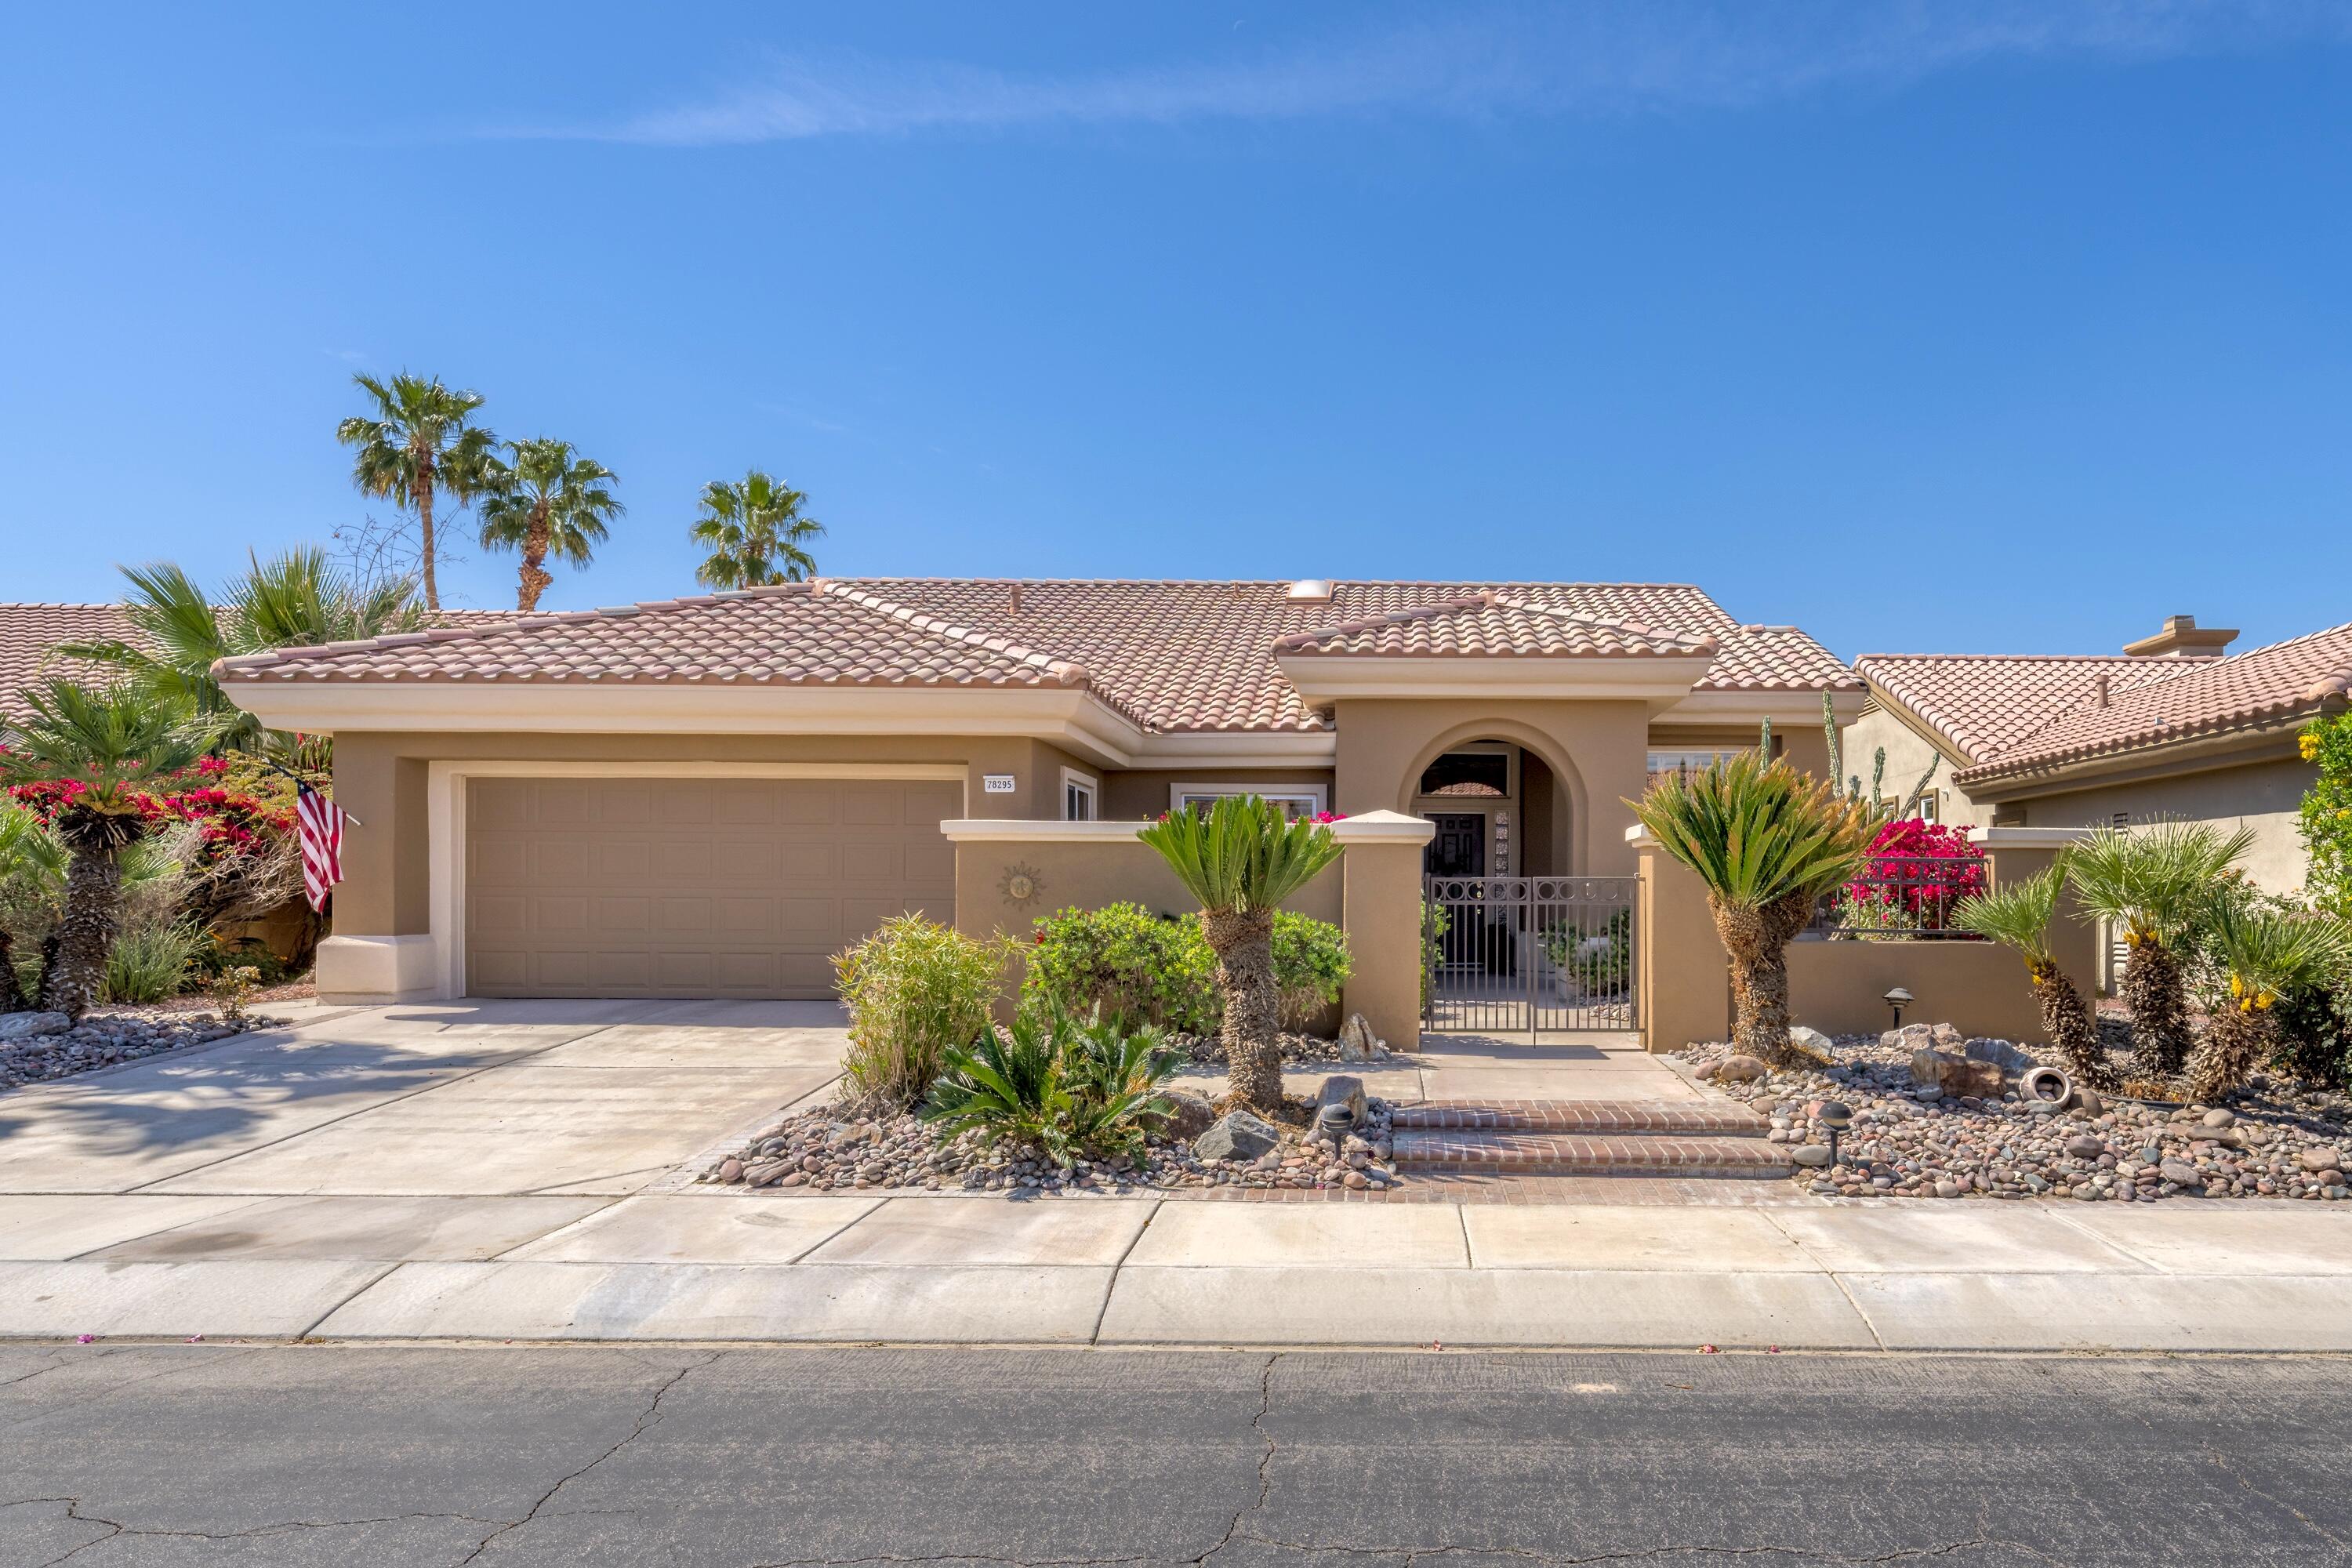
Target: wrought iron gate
1521,955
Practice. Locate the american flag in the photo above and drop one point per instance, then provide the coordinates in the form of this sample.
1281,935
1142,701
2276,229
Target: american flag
320,822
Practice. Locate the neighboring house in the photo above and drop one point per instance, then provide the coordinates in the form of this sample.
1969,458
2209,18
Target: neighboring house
29,632
2170,728
710,796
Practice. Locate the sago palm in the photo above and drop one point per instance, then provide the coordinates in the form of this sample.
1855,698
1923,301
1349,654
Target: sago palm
545,501
1768,842
414,442
107,747
2151,882
755,533
2267,954
1242,860
2018,916
298,599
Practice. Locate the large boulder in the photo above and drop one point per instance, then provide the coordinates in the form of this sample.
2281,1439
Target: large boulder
1188,1115
1813,1045
1237,1135
25,1026
1951,1073
2012,1059
1356,1042
1739,1067
1343,1088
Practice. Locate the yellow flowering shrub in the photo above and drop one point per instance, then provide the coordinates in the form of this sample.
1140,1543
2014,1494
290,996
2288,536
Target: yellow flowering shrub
2327,812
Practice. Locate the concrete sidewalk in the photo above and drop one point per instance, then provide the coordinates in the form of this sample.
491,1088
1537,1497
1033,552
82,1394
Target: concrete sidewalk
711,1266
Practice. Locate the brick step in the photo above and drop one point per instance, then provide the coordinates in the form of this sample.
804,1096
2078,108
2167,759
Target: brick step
1525,1152
1590,1117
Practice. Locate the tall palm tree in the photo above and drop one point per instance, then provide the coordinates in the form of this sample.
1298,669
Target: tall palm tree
2153,882
1242,860
1768,842
2267,954
298,599
755,533
545,501
107,746
2018,917
414,442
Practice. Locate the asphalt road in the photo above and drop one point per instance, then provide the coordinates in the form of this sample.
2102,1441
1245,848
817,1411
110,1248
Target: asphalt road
202,1454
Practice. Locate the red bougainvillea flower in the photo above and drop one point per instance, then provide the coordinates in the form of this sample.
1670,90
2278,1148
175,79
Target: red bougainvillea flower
1921,868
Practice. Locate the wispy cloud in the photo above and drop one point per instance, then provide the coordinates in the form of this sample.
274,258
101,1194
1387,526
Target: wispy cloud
1608,57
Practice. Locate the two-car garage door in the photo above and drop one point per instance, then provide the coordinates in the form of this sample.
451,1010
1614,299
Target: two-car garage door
706,887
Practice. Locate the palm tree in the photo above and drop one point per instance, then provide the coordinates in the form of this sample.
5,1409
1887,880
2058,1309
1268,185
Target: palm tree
298,599
2267,954
1242,860
545,501
105,747
1768,842
415,440
32,861
755,533
2018,916
2153,882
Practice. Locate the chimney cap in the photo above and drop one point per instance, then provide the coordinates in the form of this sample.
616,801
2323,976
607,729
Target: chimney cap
2182,637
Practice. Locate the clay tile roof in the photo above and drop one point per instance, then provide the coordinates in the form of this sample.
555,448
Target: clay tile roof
1980,704
1171,656
28,633
1493,626
2285,682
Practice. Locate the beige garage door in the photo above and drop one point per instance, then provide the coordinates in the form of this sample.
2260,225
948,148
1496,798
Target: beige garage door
693,887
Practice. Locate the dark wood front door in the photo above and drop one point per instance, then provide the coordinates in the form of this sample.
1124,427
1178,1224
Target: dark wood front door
1460,847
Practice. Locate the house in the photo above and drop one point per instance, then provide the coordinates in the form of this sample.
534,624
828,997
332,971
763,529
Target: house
30,632
2172,727
709,796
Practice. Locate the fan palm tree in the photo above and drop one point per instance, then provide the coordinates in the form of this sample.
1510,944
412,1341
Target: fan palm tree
1768,841
545,501
2267,954
106,746
2152,882
298,599
1242,860
755,533
414,442
2018,916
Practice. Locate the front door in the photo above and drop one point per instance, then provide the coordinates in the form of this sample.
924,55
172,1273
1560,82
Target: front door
1459,849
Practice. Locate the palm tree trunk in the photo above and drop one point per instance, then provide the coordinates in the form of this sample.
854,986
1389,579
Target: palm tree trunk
1243,944
12,994
1756,942
535,577
424,527
85,933
2066,1020
2237,1043
2159,1008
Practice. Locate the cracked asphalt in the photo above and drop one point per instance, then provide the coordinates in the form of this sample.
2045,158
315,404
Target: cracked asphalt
198,1455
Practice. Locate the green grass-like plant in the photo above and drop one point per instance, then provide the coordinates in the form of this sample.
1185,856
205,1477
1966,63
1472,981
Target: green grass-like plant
915,989
152,962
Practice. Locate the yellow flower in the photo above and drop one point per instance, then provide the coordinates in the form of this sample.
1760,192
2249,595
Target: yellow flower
2237,986
2309,746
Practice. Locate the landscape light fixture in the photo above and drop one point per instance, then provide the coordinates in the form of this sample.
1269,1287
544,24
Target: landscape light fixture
1898,999
1837,1117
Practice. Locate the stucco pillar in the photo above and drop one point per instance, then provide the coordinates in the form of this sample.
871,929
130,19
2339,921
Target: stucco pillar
1682,976
1380,911
2017,853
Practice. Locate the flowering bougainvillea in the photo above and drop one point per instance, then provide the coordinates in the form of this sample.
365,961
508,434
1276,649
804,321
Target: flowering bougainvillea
231,821
2327,812
1919,871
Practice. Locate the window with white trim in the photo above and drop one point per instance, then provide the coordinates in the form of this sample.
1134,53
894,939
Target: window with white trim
1081,796
1296,800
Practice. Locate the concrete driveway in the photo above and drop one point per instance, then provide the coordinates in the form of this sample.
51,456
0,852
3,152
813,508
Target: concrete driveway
484,1098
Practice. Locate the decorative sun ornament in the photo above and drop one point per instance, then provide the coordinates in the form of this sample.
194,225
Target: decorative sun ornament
1021,884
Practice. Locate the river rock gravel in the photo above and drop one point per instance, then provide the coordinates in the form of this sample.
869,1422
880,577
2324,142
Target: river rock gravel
2273,1140
108,1036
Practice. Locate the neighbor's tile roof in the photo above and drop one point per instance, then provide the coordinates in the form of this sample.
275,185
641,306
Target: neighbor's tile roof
1981,703
28,633
2283,682
1172,656
1492,626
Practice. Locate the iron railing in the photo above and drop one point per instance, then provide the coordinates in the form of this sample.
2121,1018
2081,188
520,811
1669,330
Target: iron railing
1525,954
1902,898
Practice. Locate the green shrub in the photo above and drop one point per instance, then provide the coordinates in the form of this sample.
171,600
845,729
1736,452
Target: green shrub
2326,817
1077,1091
150,962
1157,970
915,989
1600,963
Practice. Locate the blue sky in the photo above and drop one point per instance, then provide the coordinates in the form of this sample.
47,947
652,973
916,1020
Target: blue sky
2007,327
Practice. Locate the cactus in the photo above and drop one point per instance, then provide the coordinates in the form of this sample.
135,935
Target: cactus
1877,764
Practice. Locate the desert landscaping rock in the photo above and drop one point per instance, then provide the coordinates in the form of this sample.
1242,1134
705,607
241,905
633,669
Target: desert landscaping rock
104,1037
2273,1140
1237,1136
1208,1050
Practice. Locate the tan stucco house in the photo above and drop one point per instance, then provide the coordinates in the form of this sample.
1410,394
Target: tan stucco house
2173,727
709,796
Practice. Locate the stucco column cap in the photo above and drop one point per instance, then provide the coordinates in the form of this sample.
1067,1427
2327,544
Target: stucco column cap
1640,838
2028,837
1376,827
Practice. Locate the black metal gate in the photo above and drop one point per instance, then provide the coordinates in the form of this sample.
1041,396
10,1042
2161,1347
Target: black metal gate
1524,954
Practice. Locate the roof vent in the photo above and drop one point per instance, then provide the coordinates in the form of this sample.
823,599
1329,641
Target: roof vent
2182,637
1317,590
2103,689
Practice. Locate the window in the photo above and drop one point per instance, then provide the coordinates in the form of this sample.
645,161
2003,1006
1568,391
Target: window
1480,774
1296,800
1664,764
1079,797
